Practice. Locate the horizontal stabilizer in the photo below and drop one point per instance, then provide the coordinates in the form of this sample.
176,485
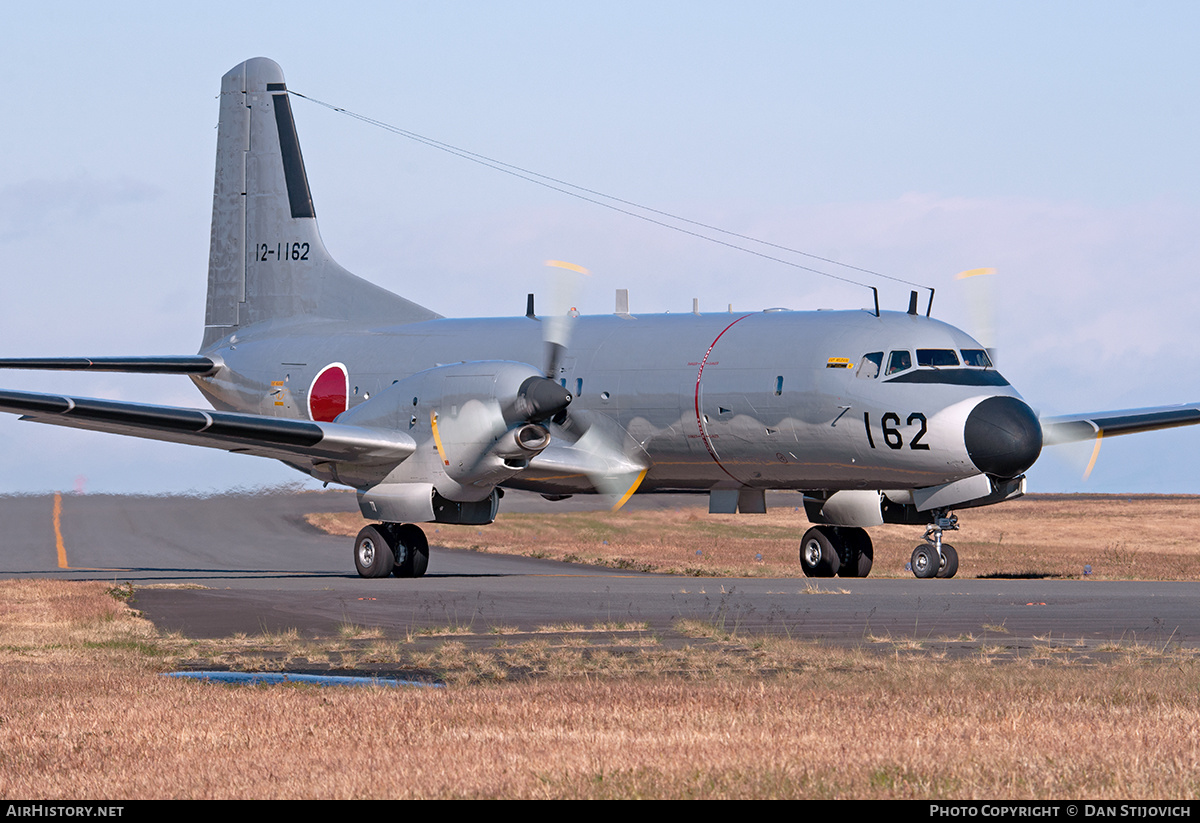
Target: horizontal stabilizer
170,364
1072,428
278,438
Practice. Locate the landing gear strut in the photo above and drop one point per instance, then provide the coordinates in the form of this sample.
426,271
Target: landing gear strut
391,548
826,551
933,558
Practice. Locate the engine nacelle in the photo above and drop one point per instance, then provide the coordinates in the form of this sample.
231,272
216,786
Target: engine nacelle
421,503
478,423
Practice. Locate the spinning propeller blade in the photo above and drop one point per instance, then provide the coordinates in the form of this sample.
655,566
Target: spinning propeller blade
982,306
557,329
609,469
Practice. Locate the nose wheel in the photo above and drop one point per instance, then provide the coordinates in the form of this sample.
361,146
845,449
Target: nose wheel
933,558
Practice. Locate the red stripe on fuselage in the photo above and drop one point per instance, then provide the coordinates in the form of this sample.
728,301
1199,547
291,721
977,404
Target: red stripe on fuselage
699,374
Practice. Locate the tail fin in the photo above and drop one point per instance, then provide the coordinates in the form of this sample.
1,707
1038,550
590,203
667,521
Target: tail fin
266,259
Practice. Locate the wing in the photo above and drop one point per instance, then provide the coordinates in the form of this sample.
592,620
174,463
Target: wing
274,437
168,364
1072,428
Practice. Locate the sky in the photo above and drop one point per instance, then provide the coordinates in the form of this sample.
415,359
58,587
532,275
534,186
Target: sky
1054,142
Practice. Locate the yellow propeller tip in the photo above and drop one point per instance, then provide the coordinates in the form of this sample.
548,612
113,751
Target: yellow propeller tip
562,264
963,275
1095,454
628,494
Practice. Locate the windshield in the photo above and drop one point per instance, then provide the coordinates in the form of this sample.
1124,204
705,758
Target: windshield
899,361
976,357
869,367
937,357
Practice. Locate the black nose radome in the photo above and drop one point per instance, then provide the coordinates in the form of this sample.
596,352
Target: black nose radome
1003,436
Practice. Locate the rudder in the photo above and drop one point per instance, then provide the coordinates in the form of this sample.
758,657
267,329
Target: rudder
266,258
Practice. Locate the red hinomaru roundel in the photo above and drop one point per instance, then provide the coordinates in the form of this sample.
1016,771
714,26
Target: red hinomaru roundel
329,394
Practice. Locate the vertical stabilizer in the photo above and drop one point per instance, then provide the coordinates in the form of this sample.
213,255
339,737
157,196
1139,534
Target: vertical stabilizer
266,259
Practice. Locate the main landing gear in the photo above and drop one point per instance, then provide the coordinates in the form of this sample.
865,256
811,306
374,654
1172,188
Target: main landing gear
391,548
933,558
826,551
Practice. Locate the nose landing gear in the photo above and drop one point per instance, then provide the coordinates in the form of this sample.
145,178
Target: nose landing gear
933,558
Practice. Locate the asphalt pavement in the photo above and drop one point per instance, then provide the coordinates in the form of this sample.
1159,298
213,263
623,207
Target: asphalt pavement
216,565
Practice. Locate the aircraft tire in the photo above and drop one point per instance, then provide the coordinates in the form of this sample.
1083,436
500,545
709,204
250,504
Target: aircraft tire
373,556
818,557
925,561
861,554
415,545
950,566
399,548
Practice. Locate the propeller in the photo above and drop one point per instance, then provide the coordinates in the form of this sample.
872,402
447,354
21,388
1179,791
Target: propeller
1074,449
980,293
610,470
488,426
1087,472
557,328
607,465
539,399
982,306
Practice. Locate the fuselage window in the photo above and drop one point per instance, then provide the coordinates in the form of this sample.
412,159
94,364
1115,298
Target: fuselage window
936,357
868,369
976,357
899,361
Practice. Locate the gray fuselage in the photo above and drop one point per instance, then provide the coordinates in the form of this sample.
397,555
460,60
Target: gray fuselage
766,400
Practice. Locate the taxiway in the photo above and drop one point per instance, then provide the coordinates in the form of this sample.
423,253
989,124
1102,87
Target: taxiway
213,566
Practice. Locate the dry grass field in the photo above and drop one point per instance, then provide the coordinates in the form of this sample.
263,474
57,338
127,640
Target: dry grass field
604,712
612,710
1141,537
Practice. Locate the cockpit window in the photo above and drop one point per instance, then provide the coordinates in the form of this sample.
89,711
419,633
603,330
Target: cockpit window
976,357
942,366
899,361
868,369
936,357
